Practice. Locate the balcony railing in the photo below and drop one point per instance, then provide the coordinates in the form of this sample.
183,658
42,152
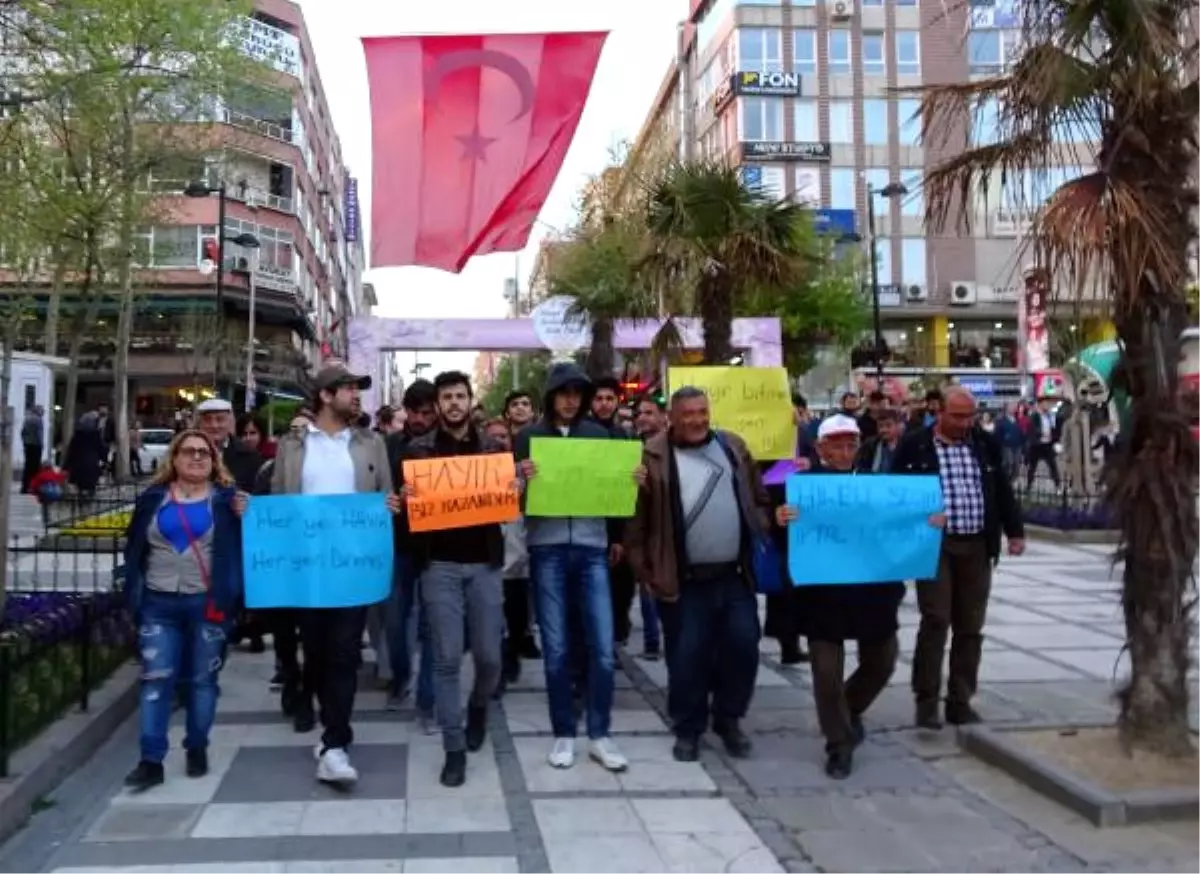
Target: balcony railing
258,197
256,125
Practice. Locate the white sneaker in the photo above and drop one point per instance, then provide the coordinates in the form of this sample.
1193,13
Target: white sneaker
604,751
334,767
563,754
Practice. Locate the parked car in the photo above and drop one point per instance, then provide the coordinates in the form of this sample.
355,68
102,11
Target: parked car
154,447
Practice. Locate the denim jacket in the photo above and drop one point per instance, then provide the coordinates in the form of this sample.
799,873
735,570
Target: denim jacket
226,570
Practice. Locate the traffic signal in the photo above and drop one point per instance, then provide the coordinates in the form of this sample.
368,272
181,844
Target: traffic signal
631,389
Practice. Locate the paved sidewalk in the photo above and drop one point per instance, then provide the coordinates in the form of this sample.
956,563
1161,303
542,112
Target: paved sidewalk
914,802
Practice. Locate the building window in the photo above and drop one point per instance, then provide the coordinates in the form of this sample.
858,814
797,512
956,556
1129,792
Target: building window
912,261
883,251
761,119
875,122
867,3
711,23
913,203
808,186
839,51
843,189
774,181
908,121
908,52
809,3
991,52
874,58
985,122
807,130
906,2
804,51
878,179
841,122
759,49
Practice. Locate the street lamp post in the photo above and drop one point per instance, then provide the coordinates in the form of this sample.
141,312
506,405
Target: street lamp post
246,241
891,190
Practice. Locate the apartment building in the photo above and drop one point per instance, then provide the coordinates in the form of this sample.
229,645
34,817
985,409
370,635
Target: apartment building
271,163
806,96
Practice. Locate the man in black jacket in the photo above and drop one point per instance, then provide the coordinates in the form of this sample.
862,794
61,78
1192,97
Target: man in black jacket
420,417
605,403
979,505
460,571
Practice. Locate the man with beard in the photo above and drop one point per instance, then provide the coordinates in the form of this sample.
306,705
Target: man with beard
460,571
420,417
605,403
334,458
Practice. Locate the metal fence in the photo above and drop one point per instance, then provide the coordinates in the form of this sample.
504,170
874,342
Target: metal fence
105,510
1063,508
64,630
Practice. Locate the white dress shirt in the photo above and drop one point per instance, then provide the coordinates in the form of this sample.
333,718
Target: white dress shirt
328,468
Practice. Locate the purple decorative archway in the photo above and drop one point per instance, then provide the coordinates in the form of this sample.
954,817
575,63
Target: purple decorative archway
369,336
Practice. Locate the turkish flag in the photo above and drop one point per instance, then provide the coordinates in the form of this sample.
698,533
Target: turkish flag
468,134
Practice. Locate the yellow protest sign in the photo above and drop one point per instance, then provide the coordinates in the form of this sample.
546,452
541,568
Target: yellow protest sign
753,402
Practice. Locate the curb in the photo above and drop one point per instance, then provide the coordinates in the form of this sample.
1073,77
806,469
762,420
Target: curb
1099,806
1086,536
41,765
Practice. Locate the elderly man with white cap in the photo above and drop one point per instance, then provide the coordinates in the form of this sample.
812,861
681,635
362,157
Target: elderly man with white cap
831,615
215,419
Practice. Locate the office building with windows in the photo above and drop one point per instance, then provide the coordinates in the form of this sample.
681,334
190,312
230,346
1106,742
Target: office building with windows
270,152
809,97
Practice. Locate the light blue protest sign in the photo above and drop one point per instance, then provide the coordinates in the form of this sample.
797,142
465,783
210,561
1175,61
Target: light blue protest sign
317,550
862,528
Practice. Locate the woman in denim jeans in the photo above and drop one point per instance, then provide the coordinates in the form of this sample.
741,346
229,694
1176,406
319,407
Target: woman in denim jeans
183,579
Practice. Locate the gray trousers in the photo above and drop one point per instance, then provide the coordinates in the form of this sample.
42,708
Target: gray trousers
454,596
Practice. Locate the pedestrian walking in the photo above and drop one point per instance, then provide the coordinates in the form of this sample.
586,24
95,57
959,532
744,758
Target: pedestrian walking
334,457
460,571
183,579
33,442
701,509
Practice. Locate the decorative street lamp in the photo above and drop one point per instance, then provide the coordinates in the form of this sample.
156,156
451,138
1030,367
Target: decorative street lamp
890,191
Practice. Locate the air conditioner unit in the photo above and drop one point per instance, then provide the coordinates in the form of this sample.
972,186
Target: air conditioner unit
963,294
841,11
242,264
916,294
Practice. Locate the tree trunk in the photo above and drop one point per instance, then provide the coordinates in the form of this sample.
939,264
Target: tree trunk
124,306
1153,489
79,324
601,354
54,303
7,423
716,316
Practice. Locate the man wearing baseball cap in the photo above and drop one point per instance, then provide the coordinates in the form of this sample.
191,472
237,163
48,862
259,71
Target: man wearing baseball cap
334,457
830,615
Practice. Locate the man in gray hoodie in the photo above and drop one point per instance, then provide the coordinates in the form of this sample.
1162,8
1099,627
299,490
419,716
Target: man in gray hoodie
568,560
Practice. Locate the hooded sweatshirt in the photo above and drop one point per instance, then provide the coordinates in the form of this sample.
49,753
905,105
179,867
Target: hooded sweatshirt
553,531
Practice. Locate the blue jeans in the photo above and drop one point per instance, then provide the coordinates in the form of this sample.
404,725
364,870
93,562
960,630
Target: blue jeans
565,576
650,631
177,645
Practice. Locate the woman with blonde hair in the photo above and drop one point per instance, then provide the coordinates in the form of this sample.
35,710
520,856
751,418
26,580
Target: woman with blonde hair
183,580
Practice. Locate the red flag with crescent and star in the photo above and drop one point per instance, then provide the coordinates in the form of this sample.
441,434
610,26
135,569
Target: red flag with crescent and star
468,134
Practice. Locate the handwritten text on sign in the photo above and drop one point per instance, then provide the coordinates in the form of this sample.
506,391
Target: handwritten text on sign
753,402
461,490
317,550
862,528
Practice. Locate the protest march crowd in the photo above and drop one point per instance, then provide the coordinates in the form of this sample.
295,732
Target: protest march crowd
529,535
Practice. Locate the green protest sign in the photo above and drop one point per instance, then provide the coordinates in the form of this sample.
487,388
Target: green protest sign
583,478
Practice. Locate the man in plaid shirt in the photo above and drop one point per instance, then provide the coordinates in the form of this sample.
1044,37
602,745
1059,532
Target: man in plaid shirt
979,505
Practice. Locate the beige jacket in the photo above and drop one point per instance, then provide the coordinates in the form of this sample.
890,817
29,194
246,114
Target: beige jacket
367,451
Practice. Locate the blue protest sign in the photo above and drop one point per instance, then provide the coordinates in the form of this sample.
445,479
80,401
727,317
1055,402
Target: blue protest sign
862,529
317,550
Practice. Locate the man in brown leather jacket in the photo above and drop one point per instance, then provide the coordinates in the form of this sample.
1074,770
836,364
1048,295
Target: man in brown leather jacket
689,542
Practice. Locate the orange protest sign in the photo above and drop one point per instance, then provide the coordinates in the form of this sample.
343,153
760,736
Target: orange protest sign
461,490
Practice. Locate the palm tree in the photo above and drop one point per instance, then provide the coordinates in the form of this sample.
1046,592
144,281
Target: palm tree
597,269
717,239
1122,72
